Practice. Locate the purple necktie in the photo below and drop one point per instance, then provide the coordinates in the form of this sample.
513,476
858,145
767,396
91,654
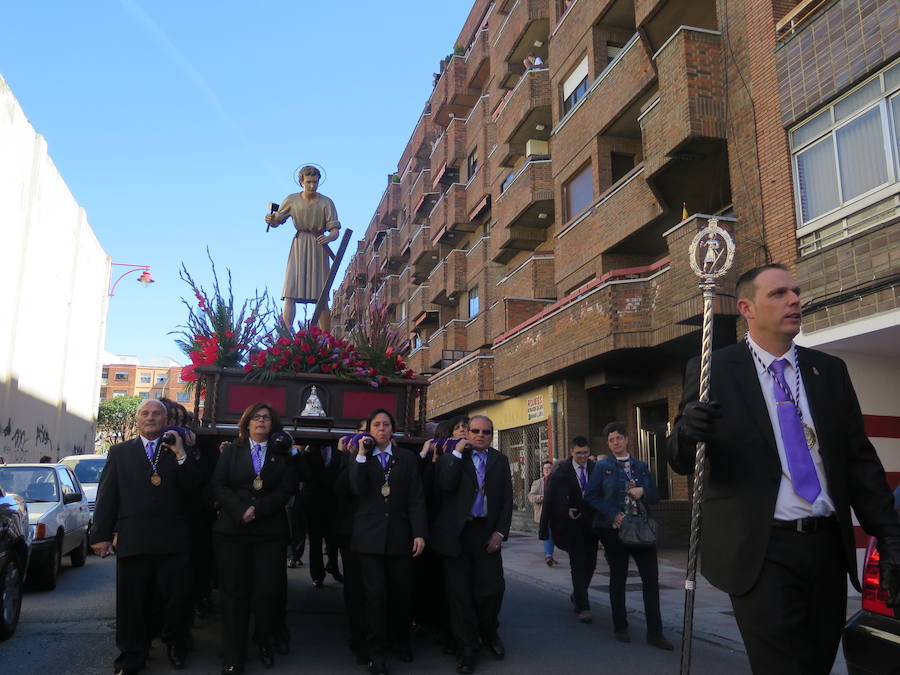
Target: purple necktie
799,459
383,458
256,455
582,478
480,461
149,449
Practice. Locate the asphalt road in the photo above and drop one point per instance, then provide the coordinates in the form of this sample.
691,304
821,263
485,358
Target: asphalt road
71,630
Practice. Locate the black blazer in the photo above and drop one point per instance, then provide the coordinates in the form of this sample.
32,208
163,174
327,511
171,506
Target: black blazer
387,525
318,489
457,483
564,493
233,488
744,470
346,502
148,519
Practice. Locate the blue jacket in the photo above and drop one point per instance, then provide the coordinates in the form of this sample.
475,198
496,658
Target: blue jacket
606,489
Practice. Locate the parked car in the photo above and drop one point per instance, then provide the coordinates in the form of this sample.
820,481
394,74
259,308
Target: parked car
15,543
872,636
87,469
58,516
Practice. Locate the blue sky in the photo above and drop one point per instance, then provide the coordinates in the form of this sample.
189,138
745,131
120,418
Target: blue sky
175,123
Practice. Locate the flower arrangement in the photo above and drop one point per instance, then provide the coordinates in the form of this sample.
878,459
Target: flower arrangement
216,334
380,345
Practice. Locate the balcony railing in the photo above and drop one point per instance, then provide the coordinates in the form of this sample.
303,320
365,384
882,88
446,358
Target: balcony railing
464,383
419,308
534,278
422,194
389,206
478,59
448,344
525,208
452,97
448,279
419,145
422,252
418,360
526,109
528,21
448,218
449,151
394,249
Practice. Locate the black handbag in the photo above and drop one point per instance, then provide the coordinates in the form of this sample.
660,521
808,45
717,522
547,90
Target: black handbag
638,530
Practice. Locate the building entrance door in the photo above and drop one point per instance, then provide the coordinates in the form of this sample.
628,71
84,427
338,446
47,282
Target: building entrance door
652,423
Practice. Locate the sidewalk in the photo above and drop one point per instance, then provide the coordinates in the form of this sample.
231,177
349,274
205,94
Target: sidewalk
713,617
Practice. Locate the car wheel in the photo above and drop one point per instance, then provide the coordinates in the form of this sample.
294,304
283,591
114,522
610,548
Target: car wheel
10,597
46,580
78,556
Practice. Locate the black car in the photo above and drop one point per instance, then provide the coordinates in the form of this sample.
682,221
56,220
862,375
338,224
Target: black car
14,549
872,636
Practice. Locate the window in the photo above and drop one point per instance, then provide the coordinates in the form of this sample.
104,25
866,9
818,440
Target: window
472,164
473,302
117,394
159,394
621,165
506,181
613,50
144,394
416,341
68,485
575,86
403,310
848,152
578,192
121,376
146,378
183,397
162,379
104,377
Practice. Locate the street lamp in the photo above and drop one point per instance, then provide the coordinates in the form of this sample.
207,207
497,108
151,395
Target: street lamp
143,279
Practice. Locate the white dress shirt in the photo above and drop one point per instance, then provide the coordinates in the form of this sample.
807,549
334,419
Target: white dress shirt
790,505
157,442
389,451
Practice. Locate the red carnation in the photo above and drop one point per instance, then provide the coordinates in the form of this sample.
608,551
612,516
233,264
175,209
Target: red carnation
305,348
310,360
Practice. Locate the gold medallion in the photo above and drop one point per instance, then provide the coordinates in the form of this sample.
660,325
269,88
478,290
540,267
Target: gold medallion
257,483
155,480
385,490
810,435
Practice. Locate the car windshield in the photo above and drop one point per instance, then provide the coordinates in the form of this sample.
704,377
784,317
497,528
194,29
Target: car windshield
87,470
32,483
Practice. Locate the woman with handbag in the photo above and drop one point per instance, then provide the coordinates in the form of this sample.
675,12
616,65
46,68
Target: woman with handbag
620,488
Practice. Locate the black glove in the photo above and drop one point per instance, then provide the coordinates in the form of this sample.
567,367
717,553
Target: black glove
698,420
889,551
281,442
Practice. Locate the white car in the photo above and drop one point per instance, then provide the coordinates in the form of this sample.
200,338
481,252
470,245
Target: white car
87,469
58,516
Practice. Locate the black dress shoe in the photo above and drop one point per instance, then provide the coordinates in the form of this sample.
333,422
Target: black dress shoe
176,657
336,575
465,665
318,583
265,656
496,647
231,670
377,668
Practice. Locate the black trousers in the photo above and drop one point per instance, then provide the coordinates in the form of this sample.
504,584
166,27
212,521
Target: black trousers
297,520
150,588
252,580
475,588
648,567
388,589
354,600
791,620
582,563
320,528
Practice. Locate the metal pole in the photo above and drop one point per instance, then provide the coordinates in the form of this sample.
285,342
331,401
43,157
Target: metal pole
716,262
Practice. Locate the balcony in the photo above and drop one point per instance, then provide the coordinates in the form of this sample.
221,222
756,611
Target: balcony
423,254
388,293
528,21
507,313
420,310
419,146
526,112
418,360
688,122
357,271
394,250
525,209
448,279
660,18
478,331
449,153
625,211
422,194
478,60
452,97
534,278
448,218
625,82
373,269
467,382
447,344
623,310
389,206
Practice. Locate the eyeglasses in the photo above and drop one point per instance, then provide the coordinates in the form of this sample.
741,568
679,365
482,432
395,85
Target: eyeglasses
486,432
261,418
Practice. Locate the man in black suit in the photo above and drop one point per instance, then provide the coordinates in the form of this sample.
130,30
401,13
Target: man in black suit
473,521
787,459
143,497
320,467
569,517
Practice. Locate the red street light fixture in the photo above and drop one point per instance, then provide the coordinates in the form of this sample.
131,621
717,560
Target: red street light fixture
144,279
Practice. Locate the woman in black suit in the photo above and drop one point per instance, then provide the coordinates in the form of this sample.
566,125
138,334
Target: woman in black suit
389,530
252,483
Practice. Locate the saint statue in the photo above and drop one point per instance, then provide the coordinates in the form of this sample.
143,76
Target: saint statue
316,222
313,407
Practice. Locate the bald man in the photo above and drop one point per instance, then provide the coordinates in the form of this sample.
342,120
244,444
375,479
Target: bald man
143,496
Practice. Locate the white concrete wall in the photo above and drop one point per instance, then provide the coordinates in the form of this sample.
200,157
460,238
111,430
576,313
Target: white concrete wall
53,281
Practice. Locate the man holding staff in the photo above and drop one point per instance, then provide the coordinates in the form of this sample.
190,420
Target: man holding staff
788,457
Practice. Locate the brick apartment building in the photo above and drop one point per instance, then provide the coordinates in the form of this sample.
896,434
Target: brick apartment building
531,243
161,378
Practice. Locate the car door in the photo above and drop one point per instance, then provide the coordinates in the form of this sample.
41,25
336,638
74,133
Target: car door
71,512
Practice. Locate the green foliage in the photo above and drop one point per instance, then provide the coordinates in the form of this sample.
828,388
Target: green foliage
116,417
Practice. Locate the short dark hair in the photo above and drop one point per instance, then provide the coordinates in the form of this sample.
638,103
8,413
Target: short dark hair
444,429
580,442
378,411
459,419
309,171
484,417
244,424
615,427
746,283
546,462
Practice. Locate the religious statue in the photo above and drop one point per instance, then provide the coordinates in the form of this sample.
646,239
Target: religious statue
313,407
316,222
